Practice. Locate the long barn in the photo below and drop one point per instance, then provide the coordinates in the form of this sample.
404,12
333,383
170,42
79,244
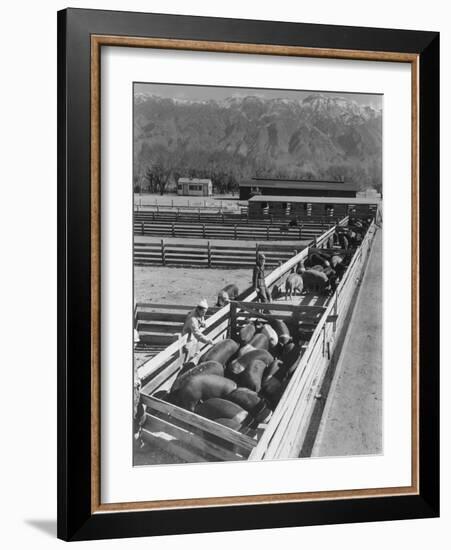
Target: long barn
289,188
277,206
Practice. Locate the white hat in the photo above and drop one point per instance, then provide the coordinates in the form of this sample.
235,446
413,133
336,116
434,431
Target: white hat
203,303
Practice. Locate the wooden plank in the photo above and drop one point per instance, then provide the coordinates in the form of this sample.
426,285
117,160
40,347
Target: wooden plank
172,447
163,306
205,441
174,254
243,443
157,338
252,306
190,439
172,328
154,383
159,316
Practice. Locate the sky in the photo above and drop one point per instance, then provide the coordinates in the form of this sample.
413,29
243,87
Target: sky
202,93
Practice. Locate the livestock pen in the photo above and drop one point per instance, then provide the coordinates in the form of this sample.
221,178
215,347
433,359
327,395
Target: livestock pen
208,255
321,325
236,228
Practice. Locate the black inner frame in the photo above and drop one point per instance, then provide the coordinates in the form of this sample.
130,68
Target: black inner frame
75,521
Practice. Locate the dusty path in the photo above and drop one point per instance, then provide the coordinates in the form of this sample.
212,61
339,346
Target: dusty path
185,285
352,419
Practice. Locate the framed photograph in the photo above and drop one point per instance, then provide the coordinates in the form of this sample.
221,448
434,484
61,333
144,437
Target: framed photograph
248,274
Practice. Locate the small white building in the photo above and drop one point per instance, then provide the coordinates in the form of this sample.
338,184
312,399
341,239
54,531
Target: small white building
195,187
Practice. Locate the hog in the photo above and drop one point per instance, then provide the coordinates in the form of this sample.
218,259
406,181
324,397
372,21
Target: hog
293,282
343,241
246,333
317,259
229,292
315,281
276,292
271,334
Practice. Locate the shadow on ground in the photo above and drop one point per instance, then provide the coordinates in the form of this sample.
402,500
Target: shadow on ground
46,526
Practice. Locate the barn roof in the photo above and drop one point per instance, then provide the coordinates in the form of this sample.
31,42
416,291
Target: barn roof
311,200
300,184
194,180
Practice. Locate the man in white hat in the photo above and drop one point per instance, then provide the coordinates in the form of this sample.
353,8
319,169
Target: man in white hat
194,322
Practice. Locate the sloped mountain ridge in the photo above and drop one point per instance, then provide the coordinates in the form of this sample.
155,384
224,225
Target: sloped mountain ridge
319,136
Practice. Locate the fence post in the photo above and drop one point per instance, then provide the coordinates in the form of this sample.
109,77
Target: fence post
209,254
198,213
172,203
203,230
142,228
336,310
163,256
173,230
233,333
222,214
234,231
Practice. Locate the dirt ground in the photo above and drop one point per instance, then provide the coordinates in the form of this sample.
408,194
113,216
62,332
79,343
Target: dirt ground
352,418
185,286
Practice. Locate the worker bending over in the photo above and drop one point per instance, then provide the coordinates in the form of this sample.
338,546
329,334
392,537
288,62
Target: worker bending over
194,322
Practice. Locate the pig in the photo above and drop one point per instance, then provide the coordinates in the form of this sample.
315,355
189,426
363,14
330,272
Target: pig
293,282
229,292
219,409
333,278
317,259
246,333
314,281
240,364
252,375
343,241
271,334
281,329
260,341
335,260
221,352
208,367
202,387
276,292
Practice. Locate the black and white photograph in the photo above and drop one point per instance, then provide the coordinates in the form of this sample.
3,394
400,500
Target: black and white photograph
257,244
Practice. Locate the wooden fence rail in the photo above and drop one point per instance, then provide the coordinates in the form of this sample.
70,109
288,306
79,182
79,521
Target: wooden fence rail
177,214
208,255
230,232
218,323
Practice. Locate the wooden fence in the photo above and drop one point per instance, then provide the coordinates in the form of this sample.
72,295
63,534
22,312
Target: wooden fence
167,253
285,433
226,226
218,322
161,324
223,217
